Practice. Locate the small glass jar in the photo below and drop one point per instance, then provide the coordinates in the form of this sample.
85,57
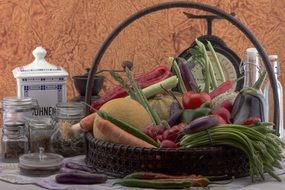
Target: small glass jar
14,142
17,109
40,131
65,140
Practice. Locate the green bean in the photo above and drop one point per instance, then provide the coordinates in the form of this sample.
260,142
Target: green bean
127,127
263,148
158,184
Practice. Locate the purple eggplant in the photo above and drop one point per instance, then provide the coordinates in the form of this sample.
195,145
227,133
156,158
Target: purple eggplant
203,123
68,170
80,178
175,118
187,75
249,103
174,107
76,166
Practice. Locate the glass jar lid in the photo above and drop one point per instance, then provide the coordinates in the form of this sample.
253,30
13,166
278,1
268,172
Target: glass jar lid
70,110
19,104
39,122
41,160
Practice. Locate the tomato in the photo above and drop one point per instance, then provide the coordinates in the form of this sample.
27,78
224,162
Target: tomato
192,100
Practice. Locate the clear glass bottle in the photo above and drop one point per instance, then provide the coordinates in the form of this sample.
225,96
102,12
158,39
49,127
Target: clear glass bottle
40,131
251,67
65,140
14,142
268,94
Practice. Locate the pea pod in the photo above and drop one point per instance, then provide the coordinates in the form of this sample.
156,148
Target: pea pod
158,184
127,127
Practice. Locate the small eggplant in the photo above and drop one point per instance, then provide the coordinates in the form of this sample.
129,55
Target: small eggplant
76,166
187,75
174,107
80,178
174,119
203,123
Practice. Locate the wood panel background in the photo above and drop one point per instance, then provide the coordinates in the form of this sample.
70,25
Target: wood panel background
72,31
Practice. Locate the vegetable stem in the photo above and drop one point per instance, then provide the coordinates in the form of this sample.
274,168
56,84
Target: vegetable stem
178,74
220,70
142,98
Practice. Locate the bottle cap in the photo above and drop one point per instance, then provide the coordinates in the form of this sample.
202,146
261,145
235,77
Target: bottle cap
272,57
251,52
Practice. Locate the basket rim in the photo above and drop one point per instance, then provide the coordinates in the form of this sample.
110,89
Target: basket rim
214,148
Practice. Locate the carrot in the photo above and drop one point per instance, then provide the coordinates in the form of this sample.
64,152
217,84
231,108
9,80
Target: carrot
87,122
114,134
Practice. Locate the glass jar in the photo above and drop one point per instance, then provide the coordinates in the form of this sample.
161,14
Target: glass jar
13,142
17,109
65,140
40,131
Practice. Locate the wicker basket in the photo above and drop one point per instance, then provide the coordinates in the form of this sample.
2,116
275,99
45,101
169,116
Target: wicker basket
218,162
120,160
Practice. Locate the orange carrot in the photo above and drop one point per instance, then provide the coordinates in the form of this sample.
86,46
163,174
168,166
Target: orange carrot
114,134
87,122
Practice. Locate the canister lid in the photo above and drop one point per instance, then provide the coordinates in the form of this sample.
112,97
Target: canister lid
40,160
39,67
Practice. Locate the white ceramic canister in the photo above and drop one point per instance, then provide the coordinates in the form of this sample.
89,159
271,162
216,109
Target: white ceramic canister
42,81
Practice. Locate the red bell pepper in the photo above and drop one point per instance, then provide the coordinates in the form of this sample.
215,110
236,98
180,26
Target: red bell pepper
192,100
157,74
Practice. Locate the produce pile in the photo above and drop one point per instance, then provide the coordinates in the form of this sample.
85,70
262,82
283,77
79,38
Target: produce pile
167,109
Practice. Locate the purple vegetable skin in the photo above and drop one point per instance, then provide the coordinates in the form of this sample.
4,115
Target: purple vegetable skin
174,107
68,170
174,119
202,123
187,75
76,166
80,178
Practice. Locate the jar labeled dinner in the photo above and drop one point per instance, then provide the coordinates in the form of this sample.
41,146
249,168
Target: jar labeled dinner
65,140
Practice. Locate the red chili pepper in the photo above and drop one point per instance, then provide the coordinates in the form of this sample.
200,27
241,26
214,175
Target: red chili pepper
225,86
192,100
159,73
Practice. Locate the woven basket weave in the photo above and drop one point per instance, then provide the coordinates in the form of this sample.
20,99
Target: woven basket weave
120,160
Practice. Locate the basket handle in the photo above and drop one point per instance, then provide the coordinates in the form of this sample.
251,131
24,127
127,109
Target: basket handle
194,5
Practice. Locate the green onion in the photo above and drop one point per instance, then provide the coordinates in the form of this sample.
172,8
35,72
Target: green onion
178,74
220,70
154,89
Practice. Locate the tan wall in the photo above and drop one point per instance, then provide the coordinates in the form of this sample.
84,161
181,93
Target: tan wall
72,31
